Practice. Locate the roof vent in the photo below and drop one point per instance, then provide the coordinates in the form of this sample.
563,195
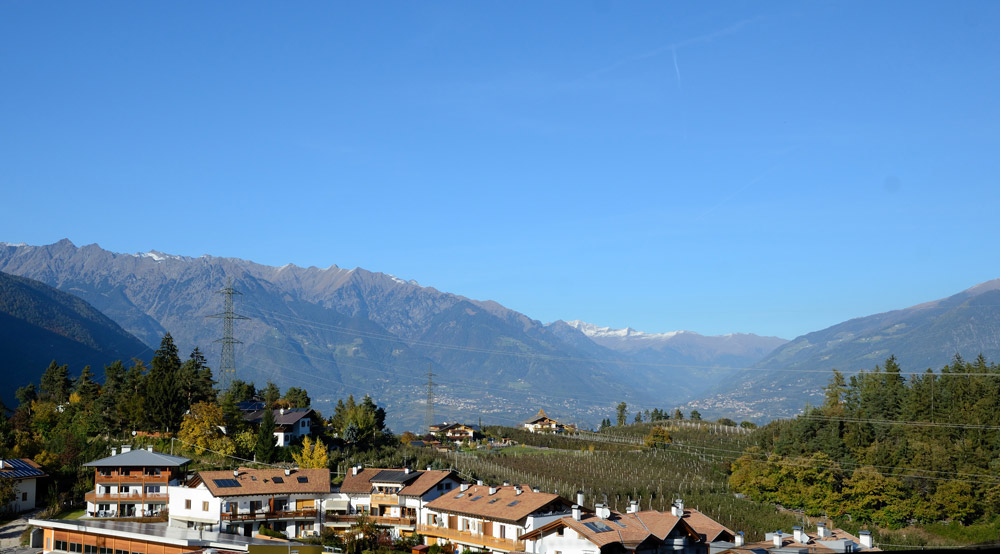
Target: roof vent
126,448
288,472
536,489
149,448
506,483
236,473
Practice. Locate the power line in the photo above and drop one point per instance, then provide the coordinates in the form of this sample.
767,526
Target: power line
227,371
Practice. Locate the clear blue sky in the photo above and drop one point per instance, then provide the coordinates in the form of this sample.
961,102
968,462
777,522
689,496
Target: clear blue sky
758,167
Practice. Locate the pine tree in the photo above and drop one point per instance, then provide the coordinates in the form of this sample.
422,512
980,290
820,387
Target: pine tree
165,402
267,446
55,383
85,387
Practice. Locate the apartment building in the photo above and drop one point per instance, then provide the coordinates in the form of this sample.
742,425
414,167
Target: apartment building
241,501
482,517
393,497
133,483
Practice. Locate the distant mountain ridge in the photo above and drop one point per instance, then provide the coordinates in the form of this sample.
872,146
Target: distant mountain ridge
924,336
339,332
40,324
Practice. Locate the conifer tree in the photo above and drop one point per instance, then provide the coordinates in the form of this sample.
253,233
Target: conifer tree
55,383
266,443
165,405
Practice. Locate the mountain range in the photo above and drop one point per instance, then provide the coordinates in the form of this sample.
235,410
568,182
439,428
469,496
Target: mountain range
927,335
336,332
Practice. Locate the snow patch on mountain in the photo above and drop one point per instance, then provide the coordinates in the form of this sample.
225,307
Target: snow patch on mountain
593,331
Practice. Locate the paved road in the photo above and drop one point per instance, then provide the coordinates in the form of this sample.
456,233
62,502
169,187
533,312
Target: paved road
10,534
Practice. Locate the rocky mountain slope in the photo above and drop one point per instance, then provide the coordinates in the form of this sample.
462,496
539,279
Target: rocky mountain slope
924,336
40,324
338,332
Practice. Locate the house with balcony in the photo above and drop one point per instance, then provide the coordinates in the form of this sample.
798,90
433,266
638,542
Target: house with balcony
133,483
609,532
824,541
455,432
24,473
243,500
489,518
289,424
542,423
392,497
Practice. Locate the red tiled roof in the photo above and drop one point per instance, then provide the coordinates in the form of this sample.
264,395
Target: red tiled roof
266,481
503,505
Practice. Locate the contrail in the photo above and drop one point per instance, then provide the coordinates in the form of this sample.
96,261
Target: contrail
677,68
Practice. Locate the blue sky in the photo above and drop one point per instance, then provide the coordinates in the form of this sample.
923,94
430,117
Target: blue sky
772,168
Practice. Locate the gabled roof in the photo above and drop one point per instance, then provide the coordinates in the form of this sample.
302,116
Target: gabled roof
250,406
139,458
709,528
265,481
417,483
503,505
540,416
628,529
281,417
21,468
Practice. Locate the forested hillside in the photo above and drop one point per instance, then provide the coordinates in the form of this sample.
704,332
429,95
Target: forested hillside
887,448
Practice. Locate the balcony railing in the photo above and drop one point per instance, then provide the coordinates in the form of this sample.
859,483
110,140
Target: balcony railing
381,520
385,499
508,545
125,496
161,478
282,514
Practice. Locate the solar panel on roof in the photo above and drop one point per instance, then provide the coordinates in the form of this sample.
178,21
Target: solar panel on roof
597,526
302,479
279,480
226,483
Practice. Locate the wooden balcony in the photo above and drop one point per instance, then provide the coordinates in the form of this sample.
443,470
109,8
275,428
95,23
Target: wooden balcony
118,497
115,478
380,520
385,499
475,539
260,516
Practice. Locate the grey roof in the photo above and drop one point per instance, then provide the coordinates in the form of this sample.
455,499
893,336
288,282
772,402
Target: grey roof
20,469
139,458
395,476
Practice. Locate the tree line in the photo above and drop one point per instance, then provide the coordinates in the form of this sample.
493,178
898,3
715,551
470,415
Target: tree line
886,448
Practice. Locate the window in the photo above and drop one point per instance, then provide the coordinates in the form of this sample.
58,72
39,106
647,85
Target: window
24,497
187,504
204,506
62,545
75,547
90,549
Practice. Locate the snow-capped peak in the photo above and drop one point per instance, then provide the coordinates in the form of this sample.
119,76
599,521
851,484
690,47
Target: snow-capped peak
592,330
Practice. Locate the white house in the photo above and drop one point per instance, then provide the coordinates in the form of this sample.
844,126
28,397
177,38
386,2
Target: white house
392,497
25,474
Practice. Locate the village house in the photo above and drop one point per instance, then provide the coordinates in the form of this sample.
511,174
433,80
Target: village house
542,423
133,483
289,424
482,517
456,432
392,497
24,473
824,541
609,532
241,501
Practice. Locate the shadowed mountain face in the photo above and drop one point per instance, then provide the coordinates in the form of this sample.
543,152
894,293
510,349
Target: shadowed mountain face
39,324
338,332
925,336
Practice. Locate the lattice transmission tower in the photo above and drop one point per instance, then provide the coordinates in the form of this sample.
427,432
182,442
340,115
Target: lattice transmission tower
227,366
429,414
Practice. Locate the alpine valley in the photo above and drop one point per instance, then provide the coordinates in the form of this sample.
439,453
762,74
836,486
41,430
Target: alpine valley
338,332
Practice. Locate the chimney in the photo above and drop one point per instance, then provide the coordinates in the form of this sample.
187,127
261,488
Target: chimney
114,451
149,448
576,512
633,507
428,468
126,448
821,530
680,506
740,540
354,471
777,539
798,534
236,473
675,511
536,489
506,483
579,497
479,483
866,539
1,464
493,490
288,472
463,487
281,411
406,470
